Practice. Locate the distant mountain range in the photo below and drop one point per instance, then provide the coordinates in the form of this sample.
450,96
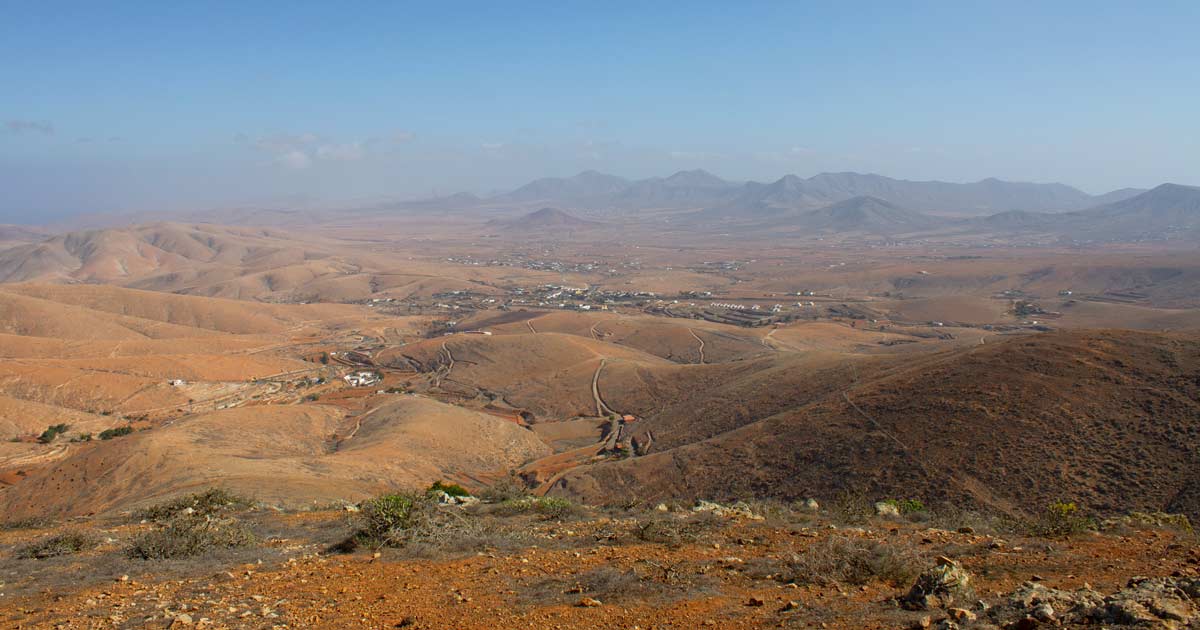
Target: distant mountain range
700,189
1167,212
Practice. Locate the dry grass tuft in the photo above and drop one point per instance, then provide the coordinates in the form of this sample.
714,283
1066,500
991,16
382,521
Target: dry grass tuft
62,544
190,535
843,560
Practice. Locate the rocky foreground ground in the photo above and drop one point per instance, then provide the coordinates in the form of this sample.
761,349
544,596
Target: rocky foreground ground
529,564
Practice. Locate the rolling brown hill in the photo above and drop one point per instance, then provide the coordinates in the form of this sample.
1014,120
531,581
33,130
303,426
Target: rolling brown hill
542,220
1108,419
290,455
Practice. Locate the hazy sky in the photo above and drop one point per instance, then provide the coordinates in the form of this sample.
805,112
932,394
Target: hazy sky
136,106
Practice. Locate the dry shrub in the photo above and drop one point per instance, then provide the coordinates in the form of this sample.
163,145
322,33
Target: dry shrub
851,508
33,522
1061,519
189,535
547,507
207,503
509,488
854,561
652,583
675,532
62,544
414,521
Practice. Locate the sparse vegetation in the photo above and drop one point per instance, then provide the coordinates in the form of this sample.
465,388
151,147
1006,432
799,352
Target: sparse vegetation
548,507
1060,519
850,508
188,535
907,506
414,521
653,582
109,434
62,544
207,503
509,488
393,520
32,522
853,561
451,489
52,432
675,532
82,437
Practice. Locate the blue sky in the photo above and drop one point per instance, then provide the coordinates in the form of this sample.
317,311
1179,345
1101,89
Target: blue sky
143,106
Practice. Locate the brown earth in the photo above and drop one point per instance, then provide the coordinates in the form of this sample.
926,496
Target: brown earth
536,573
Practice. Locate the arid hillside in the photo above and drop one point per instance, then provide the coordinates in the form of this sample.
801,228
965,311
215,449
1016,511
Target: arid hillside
1105,418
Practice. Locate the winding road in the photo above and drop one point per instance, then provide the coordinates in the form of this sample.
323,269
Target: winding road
602,409
697,338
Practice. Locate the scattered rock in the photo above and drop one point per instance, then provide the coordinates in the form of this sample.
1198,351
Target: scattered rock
938,587
1150,519
737,510
961,614
449,499
589,602
1165,602
755,601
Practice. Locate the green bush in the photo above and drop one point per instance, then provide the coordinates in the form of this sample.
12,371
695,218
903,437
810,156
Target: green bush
393,520
549,507
189,535
416,523
907,506
109,434
1060,519
207,503
451,489
63,544
52,432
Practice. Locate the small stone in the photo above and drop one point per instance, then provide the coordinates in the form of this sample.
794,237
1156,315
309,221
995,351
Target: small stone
791,605
887,509
755,601
961,614
589,602
182,620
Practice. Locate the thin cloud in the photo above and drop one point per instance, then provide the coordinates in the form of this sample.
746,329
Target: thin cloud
29,126
304,150
349,152
694,155
298,160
